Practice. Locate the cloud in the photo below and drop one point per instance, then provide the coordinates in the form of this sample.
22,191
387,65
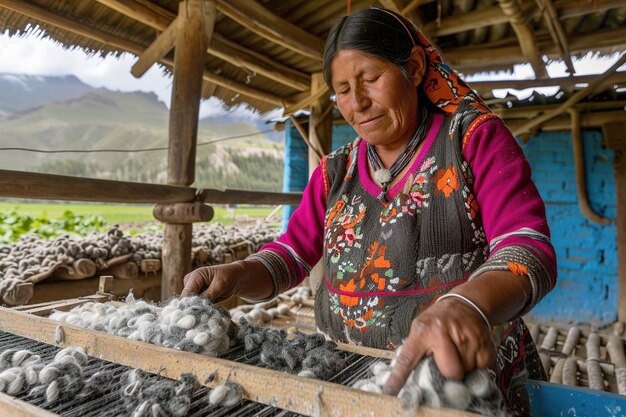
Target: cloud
33,55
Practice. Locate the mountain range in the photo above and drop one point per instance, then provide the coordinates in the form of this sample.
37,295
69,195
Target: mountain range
56,113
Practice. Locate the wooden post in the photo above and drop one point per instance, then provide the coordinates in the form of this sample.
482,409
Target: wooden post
321,136
320,122
615,138
189,56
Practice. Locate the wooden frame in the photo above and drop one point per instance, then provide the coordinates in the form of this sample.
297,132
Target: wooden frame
20,184
306,396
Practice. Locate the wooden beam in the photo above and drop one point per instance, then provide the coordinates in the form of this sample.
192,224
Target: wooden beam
559,37
494,15
563,123
300,395
183,213
191,44
474,58
247,197
161,46
141,12
412,6
158,18
10,406
20,184
320,122
305,137
241,57
44,15
525,36
266,24
598,83
532,111
615,137
563,82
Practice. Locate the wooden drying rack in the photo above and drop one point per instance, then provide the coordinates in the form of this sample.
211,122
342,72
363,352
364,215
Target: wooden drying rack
301,395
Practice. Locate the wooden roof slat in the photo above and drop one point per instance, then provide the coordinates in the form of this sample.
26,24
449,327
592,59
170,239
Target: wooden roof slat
563,82
89,32
559,36
261,21
221,48
148,15
242,57
412,6
464,58
493,15
598,83
525,36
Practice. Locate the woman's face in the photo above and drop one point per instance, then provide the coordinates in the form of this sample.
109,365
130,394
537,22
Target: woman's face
376,98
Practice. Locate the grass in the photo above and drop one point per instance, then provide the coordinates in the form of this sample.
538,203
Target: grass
128,214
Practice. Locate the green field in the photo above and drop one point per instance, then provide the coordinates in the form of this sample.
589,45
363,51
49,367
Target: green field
127,214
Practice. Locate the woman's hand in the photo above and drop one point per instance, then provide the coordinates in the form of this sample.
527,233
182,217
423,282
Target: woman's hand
248,279
454,333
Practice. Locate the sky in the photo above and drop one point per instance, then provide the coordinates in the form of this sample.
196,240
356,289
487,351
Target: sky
35,56
32,55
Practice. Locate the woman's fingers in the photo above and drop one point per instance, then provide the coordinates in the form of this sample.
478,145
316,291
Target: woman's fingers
195,282
458,341
411,353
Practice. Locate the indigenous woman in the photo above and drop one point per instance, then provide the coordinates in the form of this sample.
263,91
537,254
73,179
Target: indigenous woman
430,230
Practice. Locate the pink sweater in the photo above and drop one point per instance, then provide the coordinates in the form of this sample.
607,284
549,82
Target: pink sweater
512,211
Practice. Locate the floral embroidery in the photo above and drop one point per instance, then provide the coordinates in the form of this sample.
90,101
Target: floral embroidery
413,198
343,228
447,181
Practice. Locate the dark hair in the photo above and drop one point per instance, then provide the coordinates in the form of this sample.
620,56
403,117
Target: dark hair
381,33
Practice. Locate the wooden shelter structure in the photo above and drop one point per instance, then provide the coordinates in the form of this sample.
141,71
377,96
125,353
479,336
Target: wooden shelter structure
268,54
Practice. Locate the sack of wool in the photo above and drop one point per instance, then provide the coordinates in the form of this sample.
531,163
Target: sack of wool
476,392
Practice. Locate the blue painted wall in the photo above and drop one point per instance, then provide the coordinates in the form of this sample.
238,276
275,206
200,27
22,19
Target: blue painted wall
586,252
297,159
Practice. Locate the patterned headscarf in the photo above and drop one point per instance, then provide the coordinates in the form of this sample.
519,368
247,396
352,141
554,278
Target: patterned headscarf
441,85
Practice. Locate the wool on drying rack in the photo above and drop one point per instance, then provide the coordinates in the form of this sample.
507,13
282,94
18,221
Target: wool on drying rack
63,379
306,355
191,324
477,392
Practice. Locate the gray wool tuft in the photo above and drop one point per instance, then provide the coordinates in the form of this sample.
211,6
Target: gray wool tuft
477,391
305,355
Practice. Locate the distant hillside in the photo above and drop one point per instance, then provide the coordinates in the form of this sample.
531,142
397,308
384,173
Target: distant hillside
22,92
103,119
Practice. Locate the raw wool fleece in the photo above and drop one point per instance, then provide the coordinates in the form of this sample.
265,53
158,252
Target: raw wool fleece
310,356
61,379
145,397
477,392
19,370
191,324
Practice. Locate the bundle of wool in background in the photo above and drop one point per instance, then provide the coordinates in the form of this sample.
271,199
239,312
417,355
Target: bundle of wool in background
32,255
192,324
477,392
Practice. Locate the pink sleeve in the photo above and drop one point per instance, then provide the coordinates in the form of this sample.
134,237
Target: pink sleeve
512,210
301,245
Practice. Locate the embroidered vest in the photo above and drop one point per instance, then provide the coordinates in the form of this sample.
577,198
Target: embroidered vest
385,263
